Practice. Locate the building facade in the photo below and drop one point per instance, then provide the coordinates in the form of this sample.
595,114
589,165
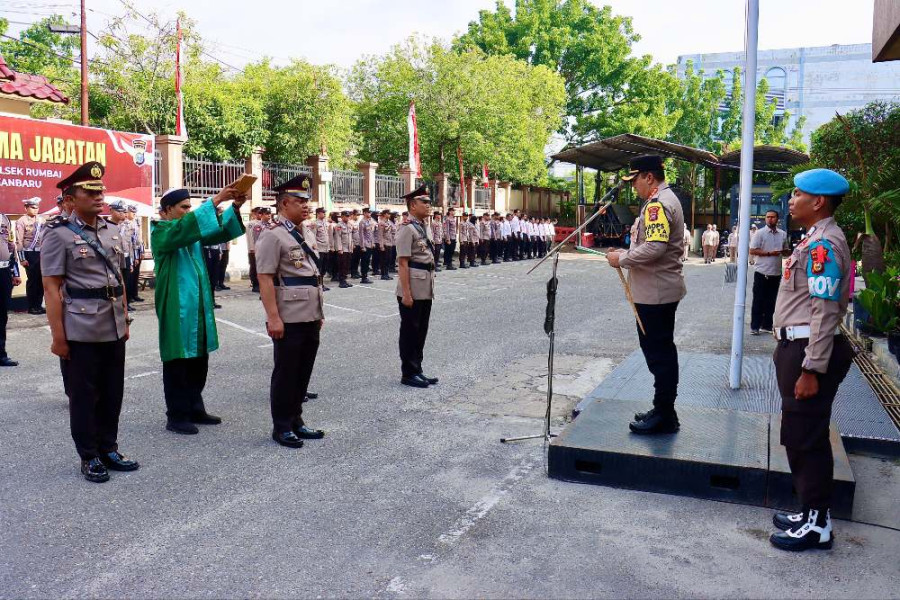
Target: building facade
810,82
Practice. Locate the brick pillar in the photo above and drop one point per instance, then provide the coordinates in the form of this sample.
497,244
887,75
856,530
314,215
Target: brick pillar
368,170
253,165
171,171
409,179
321,180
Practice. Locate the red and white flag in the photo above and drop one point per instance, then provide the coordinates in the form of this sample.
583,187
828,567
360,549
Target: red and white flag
414,161
180,127
484,175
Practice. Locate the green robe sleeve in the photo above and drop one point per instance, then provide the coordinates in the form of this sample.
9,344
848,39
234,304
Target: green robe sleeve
230,226
200,225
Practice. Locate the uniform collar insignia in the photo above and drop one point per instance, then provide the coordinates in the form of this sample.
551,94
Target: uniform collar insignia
288,224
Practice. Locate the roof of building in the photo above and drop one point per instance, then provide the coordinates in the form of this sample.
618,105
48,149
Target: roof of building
28,86
613,154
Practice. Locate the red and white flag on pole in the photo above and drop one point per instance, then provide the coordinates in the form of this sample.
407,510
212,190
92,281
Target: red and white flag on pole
484,175
180,127
414,161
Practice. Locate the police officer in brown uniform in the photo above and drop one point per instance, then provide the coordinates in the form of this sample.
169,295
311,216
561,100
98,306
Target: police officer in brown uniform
657,284
9,278
82,261
367,228
415,288
291,292
387,244
812,357
345,250
323,240
29,230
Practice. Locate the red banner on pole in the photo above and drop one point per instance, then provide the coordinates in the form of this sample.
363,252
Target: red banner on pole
36,155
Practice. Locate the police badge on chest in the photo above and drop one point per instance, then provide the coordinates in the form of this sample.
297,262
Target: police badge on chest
297,257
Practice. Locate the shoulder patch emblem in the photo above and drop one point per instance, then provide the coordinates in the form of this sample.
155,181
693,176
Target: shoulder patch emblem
656,224
823,274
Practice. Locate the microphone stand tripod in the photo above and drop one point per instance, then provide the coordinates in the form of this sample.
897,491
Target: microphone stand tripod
550,318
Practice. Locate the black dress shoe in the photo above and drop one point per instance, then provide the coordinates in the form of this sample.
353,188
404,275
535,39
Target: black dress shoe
312,395
414,382
182,427
463,267
344,284
35,311
139,299
255,290
216,305
306,433
224,287
94,471
130,308
643,415
430,380
219,288
385,278
288,439
118,462
451,268
8,362
325,288
365,280
655,424
205,419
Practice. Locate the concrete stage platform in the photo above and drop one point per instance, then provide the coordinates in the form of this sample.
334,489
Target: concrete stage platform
728,448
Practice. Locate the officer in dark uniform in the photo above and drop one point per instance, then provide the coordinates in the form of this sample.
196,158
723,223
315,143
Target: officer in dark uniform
415,288
812,357
82,259
9,278
291,292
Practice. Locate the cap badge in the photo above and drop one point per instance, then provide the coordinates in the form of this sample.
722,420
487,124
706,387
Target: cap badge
96,172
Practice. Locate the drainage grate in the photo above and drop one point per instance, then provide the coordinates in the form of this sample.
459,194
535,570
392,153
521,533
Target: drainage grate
885,389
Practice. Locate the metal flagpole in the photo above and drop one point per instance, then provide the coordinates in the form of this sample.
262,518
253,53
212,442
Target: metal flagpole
747,139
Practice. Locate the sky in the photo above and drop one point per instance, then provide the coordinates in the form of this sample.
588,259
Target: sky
341,31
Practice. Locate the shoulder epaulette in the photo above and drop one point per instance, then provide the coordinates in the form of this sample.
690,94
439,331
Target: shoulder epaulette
57,221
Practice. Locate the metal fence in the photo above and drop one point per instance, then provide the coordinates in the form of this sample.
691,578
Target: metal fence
207,178
348,186
274,174
388,189
157,170
483,198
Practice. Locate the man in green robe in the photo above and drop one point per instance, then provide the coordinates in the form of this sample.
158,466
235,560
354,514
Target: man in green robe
184,303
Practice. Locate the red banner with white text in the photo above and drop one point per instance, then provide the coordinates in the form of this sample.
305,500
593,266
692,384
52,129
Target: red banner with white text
36,155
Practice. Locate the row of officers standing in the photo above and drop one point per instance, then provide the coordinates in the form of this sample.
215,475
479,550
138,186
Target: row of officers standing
355,244
20,253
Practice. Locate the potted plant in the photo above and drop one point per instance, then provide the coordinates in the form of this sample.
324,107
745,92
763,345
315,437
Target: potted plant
880,301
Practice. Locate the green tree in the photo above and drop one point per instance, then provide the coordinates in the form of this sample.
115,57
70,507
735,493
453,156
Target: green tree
608,91
495,108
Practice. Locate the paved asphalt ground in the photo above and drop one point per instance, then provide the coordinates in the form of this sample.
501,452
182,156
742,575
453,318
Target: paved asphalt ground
410,494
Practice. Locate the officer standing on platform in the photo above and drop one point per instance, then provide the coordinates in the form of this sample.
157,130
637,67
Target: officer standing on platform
657,284
292,295
415,288
86,310
29,229
812,357
9,278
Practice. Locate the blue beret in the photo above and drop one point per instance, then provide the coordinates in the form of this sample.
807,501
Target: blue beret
823,182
